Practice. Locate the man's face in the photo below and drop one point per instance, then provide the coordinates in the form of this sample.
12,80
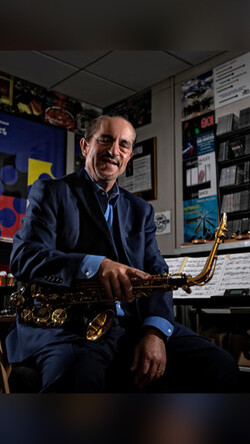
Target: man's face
108,151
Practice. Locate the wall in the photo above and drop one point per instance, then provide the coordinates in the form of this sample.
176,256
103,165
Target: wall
166,126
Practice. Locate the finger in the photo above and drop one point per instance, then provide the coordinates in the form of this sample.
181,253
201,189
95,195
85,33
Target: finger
135,361
108,289
143,371
153,371
127,288
134,272
116,287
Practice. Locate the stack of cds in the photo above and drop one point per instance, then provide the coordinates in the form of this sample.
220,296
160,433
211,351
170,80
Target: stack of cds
244,120
227,124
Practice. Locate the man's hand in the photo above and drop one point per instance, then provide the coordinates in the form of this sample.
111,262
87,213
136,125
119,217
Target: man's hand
150,358
116,279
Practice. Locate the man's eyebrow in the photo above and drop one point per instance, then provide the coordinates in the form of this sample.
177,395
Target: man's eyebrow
107,135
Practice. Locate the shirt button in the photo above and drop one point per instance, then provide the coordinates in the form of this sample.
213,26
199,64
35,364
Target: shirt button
87,273
169,331
103,193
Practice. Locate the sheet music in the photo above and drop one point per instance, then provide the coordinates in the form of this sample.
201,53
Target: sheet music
231,272
236,274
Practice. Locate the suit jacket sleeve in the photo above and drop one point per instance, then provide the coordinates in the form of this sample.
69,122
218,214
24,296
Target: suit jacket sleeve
35,255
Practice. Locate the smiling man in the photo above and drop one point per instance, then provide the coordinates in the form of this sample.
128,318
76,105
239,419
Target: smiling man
84,227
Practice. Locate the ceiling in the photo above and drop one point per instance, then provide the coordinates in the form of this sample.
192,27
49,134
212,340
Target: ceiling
99,78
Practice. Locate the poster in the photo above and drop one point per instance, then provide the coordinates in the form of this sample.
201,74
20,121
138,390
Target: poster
197,96
200,218
199,173
6,91
137,109
29,99
39,153
232,81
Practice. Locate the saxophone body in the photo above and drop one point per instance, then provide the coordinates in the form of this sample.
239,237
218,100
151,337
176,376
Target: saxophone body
51,306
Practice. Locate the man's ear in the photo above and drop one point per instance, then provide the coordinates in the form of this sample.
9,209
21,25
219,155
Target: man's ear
84,147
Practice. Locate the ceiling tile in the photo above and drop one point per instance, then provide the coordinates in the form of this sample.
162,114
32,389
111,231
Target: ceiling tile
194,57
91,89
34,67
137,69
77,58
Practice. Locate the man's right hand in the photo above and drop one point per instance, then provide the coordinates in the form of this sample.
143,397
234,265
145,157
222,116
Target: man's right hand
115,277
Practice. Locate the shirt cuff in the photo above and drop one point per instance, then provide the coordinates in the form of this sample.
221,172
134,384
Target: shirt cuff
161,323
89,266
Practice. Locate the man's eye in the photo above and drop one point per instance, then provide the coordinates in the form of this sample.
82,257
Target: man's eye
126,146
104,140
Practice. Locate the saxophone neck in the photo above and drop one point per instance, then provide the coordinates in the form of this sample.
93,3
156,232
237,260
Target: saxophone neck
209,267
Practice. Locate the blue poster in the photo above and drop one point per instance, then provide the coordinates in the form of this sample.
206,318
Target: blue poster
28,150
200,218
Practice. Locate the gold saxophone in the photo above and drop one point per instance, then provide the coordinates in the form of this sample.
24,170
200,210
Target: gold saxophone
49,306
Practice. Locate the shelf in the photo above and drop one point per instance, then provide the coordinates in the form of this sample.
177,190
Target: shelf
232,188
239,132
200,248
234,160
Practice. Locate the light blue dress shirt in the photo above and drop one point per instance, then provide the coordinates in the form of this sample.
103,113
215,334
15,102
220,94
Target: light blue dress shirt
91,263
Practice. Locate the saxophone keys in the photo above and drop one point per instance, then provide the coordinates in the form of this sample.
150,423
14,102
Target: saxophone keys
42,316
59,316
27,315
17,299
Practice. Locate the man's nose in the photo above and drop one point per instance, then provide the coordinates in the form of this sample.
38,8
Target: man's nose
115,148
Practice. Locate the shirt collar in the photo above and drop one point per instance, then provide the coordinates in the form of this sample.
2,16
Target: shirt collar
112,196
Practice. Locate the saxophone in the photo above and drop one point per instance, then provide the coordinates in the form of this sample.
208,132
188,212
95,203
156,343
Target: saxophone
49,306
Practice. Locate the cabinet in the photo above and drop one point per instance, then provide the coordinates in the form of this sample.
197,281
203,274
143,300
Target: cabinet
233,168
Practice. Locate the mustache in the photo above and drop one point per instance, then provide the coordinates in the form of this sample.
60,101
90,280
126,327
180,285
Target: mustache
110,156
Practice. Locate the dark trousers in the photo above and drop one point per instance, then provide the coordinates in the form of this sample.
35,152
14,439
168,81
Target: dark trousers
193,364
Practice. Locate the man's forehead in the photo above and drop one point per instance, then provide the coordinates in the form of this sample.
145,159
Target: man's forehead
116,126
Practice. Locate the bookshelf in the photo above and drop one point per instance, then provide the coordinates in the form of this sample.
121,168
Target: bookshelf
233,169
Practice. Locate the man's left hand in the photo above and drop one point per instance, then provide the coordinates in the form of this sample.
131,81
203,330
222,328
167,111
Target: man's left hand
150,358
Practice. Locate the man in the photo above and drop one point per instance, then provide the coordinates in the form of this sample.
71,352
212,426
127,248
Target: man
84,226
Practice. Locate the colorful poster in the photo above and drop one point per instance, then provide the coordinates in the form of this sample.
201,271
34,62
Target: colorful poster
60,110
200,218
199,174
137,109
197,96
232,81
28,151
6,91
29,99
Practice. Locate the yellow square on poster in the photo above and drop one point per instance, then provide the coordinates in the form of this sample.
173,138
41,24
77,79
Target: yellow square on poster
37,168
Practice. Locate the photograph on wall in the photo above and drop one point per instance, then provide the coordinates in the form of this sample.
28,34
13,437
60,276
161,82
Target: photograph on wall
197,96
232,81
28,99
140,174
60,110
39,153
200,218
6,91
137,109
84,114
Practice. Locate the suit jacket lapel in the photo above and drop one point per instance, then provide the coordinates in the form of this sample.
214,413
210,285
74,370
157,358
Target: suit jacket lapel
122,215
83,189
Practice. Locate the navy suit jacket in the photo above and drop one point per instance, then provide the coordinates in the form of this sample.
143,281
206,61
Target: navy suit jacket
64,223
